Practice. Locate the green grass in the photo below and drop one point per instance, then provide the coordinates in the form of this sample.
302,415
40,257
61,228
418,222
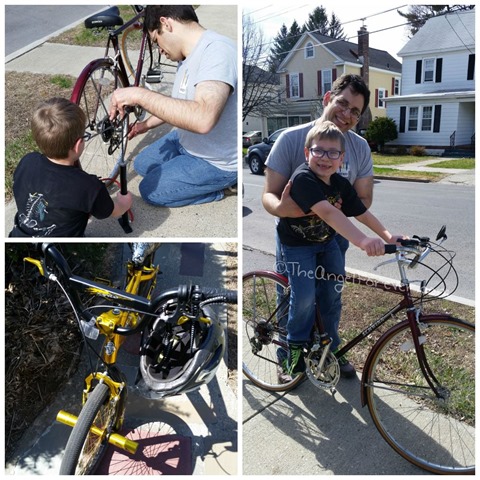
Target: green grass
62,81
408,174
462,163
14,151
381,159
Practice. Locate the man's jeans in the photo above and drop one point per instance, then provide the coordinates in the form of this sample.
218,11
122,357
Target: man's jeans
307,269
174,178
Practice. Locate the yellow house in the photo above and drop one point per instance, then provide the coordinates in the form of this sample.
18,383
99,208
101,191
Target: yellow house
310,68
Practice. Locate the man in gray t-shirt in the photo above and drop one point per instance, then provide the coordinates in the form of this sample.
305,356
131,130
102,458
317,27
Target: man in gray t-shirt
195,162
343,105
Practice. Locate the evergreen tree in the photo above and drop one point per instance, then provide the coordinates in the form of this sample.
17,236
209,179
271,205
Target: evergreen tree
317,21
284,41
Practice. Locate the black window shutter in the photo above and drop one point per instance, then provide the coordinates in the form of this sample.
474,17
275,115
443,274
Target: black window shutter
438,73
436,118
418,73
471,66
403,115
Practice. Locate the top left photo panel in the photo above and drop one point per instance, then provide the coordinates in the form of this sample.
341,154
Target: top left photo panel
121,121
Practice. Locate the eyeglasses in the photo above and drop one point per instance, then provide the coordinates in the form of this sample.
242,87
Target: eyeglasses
86,136
320,153
345,106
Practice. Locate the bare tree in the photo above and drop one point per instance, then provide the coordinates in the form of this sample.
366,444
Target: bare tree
260,87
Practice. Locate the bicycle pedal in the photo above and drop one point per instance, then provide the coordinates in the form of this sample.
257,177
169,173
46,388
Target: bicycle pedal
154,76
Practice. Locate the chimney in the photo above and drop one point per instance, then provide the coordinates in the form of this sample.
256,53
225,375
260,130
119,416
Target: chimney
363,52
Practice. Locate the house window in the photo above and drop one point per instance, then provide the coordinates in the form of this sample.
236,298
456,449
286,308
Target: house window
427,114
309,51
412,119
326,81
294,85
381,95
428,69
396,86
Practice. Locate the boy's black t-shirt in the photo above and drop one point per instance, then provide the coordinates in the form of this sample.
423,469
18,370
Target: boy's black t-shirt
307,190
56,200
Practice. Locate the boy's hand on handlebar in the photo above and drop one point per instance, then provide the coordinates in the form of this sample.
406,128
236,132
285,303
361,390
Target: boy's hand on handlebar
373,247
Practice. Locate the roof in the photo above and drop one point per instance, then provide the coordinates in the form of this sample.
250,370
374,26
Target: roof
348,52
449,32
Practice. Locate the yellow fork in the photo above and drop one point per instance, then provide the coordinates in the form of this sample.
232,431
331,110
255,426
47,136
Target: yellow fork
114,438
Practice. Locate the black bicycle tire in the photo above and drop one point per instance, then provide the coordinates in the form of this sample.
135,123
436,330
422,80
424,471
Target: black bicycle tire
95,147
248,371
80,431
410,431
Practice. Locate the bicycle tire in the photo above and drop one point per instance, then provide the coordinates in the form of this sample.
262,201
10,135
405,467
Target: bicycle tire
84,450
263,332
130,43
92,92
437,435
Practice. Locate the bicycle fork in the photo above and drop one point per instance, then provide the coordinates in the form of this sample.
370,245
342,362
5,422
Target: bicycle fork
115,391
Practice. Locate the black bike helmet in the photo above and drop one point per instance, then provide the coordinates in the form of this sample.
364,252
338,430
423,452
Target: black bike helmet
176,359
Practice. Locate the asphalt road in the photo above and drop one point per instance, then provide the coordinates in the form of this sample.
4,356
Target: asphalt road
19,19
404,207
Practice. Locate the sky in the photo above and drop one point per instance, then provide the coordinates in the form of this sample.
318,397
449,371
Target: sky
379,20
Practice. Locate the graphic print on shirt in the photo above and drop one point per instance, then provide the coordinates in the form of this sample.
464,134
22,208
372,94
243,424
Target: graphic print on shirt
313,228
36,212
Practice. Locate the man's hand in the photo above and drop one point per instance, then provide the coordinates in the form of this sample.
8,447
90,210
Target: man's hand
121,98
138,129
287,206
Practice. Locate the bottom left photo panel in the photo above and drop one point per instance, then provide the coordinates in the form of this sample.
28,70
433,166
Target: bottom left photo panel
121,358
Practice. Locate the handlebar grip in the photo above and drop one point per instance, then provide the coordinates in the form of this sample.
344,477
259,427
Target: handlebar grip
230,296
390,248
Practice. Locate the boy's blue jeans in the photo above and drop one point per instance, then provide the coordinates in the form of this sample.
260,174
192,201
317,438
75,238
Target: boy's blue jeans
174,178
307,269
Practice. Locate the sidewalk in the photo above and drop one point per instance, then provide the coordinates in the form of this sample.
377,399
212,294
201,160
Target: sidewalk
218,219
194,433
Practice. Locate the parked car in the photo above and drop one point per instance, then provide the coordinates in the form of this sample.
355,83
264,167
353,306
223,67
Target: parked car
257,154
251,138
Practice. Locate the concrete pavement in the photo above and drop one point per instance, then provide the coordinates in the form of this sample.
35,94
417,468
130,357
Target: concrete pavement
188,434
219,219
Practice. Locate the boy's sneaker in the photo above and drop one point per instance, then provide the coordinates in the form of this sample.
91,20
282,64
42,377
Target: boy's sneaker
232,190
295,361
347,370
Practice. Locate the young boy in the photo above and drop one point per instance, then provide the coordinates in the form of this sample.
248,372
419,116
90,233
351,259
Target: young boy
307,242
53,196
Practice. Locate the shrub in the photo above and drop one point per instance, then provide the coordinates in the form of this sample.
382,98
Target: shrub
417,151
381,130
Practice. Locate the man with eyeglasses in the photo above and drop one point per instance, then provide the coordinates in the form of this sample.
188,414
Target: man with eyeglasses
343,105
197,161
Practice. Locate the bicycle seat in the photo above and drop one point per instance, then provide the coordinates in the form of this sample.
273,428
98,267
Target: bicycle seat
108,18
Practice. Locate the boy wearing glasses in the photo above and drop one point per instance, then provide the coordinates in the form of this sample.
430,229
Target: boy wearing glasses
54,197
309,250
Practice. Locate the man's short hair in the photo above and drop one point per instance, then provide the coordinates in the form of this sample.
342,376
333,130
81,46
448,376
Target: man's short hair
56,125
356,84
180,13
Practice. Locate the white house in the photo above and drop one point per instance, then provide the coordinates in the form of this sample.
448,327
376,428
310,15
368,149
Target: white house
436,105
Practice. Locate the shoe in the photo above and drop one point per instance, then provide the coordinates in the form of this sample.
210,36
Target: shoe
347,370
229,191
295,361
283,376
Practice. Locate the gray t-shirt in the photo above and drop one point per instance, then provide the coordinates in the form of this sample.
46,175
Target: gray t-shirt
214,58
288,153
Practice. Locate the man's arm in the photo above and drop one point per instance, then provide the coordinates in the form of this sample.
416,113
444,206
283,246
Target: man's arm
276,197
364,189
199,115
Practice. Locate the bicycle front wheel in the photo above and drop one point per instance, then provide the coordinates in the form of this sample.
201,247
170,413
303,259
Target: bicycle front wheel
265,314
434,432
93,90
84,449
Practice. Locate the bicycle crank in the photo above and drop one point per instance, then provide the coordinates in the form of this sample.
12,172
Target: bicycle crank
322,368
114,439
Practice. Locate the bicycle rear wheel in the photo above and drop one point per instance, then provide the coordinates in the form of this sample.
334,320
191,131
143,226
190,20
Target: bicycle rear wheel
84,449
436,434
265,314
93,90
